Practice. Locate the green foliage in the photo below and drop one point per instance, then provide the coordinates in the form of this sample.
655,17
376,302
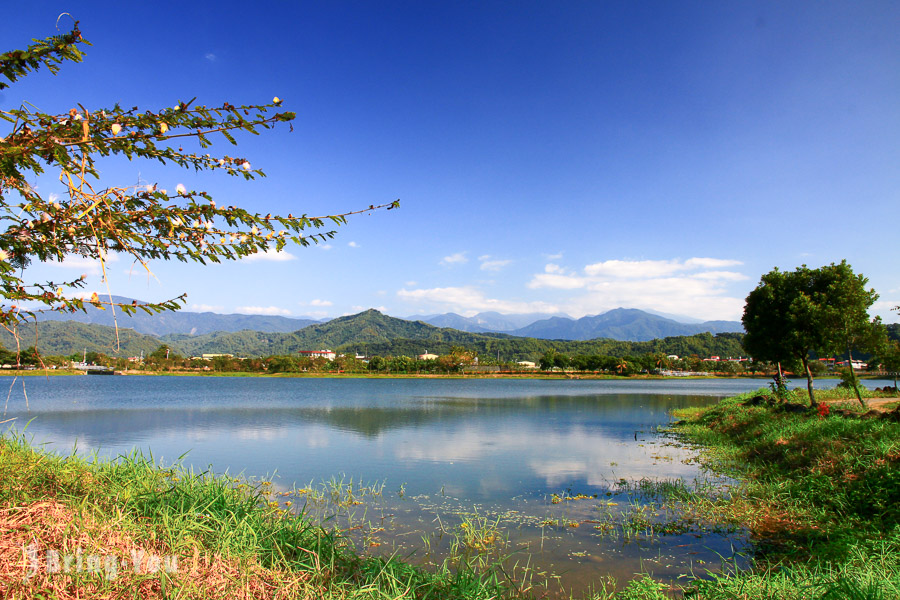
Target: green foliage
213,516
820,494
838,473
145,222
792,314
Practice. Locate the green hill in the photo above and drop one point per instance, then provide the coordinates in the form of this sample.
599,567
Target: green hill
70,337
369,332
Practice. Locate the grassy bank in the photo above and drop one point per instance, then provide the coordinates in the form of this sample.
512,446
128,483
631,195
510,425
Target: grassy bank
820,495
131,529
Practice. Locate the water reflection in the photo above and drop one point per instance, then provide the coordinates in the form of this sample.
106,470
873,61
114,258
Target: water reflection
502,448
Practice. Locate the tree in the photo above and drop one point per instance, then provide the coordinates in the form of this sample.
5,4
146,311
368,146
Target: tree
161,353
792,314
844,304
145,222
890,358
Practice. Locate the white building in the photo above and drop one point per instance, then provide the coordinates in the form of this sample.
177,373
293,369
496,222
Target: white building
327,354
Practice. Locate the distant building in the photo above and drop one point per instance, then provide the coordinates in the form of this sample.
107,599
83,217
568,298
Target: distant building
857,364
212,356
527,364
327,354
427,356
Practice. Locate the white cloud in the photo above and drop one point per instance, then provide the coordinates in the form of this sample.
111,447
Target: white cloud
885,310
557,256
353,244
468,301
557,281
206,308
262,310
318,302
710,263
270,255
210,57
633,268
88,266
653,268
696,286
495,264
325,246
411,284
727,275
455,259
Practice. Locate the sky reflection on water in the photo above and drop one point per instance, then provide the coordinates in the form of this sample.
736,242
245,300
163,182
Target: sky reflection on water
501,447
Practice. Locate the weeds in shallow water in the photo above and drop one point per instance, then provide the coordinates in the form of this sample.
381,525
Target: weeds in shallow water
227,538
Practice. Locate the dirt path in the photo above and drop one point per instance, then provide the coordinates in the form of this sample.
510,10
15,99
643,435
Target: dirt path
879,404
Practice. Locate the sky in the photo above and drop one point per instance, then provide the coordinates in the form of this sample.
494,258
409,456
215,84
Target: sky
549,157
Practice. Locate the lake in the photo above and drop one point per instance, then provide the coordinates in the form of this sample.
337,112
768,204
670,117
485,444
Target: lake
555,475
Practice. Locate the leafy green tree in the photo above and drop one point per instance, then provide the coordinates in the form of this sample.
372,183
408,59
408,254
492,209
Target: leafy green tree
889,357
145,222
282,364
789,315
161,353
844,304
548,360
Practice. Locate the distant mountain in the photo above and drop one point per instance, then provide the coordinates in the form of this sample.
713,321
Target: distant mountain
452,320
359,330
70,337
627,324
483,322
369,331
180,322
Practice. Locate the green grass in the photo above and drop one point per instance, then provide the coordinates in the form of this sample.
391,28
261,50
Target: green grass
201,519
820,494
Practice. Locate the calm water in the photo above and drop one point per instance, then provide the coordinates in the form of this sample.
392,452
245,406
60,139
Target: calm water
446,452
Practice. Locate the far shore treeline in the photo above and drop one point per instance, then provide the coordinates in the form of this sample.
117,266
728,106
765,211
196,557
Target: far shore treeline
389,345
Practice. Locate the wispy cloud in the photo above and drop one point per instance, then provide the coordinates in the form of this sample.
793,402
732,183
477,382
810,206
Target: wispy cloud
353,244
210,57
468,301
263,310
489,263
270,255
318,302
206,308
455,259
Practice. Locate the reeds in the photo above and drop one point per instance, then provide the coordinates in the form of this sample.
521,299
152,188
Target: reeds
197,535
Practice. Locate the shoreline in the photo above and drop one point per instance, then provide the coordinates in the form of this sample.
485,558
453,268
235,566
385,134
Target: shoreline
541,375
335,375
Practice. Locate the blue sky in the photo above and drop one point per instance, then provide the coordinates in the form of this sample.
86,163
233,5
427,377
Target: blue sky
549,157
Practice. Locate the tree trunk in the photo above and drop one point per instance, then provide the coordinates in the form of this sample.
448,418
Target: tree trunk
809,384
853,378
780,384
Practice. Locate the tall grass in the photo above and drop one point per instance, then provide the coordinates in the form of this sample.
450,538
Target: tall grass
204,520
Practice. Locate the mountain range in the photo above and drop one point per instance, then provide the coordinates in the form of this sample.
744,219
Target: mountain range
369,332
628,324
179,322
619,324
